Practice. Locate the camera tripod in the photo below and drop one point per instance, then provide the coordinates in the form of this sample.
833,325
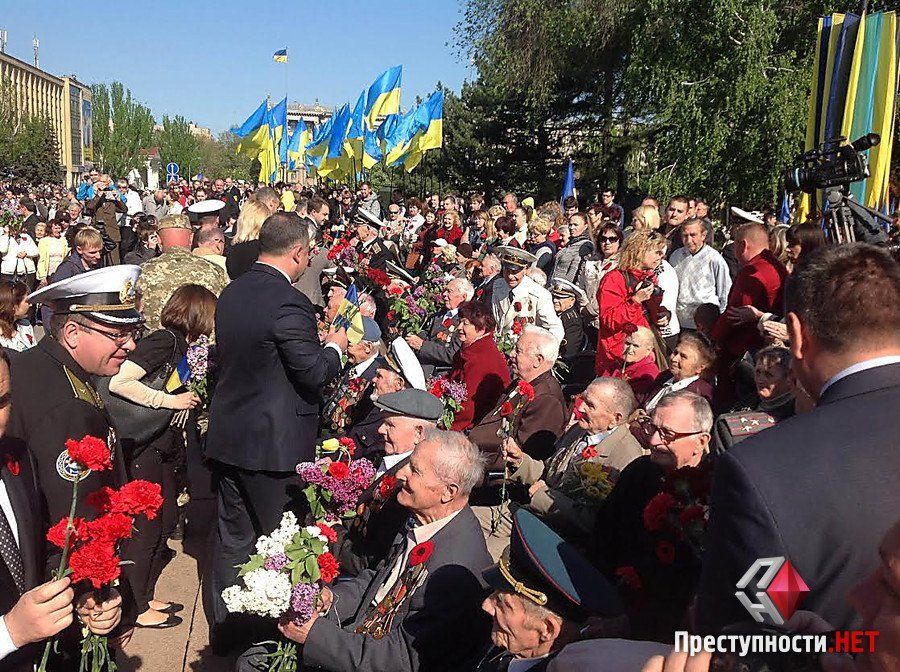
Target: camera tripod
847,221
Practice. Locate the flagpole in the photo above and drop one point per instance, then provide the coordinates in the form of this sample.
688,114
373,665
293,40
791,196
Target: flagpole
283,166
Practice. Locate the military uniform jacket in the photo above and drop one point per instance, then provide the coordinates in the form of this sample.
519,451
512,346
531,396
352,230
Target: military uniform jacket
160,277
367,538
528,301
377,253
53,400
574,330
369,443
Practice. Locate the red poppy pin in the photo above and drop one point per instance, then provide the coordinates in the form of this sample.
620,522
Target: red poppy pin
12,464
420,553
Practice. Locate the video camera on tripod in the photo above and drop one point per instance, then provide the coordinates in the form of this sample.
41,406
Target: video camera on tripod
833,166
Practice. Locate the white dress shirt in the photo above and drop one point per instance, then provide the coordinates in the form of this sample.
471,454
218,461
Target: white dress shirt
389,462
670,386
360,368
702,278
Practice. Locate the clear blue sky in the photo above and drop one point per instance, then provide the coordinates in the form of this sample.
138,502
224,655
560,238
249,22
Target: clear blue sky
212,61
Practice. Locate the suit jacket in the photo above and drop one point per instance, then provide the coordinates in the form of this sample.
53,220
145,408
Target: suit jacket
377,253
441,341
22,491
819,489
28,226
369,443
439,627
367,538
264,414
540,423
574,516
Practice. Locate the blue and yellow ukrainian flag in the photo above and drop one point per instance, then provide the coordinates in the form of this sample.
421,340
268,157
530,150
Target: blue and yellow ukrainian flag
180,377
334,162
253,132
296,150
280,56
430,133
349,317
383,96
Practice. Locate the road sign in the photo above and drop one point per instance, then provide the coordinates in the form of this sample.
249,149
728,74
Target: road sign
171,172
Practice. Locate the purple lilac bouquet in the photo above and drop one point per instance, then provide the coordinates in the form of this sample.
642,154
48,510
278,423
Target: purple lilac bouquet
409,309
198,364
335,484
452,394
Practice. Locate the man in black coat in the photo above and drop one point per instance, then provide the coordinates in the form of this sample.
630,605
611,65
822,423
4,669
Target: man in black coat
819,489
265,411
437,623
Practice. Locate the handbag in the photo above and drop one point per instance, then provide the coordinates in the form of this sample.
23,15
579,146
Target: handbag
141,424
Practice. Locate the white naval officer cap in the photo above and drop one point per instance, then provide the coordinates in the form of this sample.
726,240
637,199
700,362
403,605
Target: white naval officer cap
104,294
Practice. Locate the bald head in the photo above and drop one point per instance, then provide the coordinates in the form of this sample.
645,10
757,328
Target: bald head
750,240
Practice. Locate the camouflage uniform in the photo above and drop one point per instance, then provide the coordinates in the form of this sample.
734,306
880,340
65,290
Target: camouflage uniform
160,277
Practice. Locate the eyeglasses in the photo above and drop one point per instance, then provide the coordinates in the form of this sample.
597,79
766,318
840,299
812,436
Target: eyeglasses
393,212
668,436
119,339
609,239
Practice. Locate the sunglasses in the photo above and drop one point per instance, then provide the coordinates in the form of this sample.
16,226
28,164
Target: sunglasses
609,239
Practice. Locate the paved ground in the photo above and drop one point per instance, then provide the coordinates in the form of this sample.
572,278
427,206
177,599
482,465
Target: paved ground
183,648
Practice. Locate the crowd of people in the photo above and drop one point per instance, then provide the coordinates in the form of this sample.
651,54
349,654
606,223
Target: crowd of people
597,420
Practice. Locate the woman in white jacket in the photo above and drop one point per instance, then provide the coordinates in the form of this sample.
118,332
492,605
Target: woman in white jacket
20,255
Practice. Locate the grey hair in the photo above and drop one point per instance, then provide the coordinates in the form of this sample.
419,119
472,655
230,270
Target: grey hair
621,396
367,305
458,461
537,275
703,415
492,260
546,344
465,287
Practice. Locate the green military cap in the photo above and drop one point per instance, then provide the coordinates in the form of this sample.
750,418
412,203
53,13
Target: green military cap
514,258
174,222
412,403
543,568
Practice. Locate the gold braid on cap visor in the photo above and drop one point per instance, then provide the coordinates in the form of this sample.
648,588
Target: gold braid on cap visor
93,308
520,588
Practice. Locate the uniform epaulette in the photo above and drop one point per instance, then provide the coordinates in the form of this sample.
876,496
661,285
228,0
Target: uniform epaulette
83,390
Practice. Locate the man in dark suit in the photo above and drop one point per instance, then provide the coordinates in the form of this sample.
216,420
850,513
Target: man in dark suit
819,489
265,412
439,342
438,624
490,273
406,415
28,210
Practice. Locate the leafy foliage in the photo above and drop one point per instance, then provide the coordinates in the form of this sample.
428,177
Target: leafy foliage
35,152
219,158
122,128
177,144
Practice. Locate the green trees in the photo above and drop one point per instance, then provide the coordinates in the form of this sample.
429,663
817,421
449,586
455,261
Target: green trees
29,148
219,158
177,144
122,127
661,96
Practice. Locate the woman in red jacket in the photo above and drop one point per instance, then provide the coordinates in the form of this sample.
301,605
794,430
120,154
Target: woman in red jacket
626,296
479,364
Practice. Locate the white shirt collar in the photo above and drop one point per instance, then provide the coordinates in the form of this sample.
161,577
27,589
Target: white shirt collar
422,533
864,365
668,387
390,461
360,368
523,664
451,313
286,277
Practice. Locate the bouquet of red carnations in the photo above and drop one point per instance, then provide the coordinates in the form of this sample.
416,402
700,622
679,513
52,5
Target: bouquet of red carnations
90,547
335,480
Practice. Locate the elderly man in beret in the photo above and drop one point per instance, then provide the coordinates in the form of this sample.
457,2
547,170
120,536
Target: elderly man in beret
544,594
406,415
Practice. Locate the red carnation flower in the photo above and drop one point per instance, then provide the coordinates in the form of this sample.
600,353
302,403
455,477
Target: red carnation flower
328,567
526,390
327,532
420,553
109,528
91,453
665,551
348,444
437,389
588,452
395,290
506,409
657,509
56,535
96,562
379,277
339,470
101,499
517,326
138,497
447,323
12,464
517,306
630,328
629,576
391,315
386,486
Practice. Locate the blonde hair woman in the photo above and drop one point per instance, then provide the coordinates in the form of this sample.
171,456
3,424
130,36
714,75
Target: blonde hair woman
245,249
627,296
645,217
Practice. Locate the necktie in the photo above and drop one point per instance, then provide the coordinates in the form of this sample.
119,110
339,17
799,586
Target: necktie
9,551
